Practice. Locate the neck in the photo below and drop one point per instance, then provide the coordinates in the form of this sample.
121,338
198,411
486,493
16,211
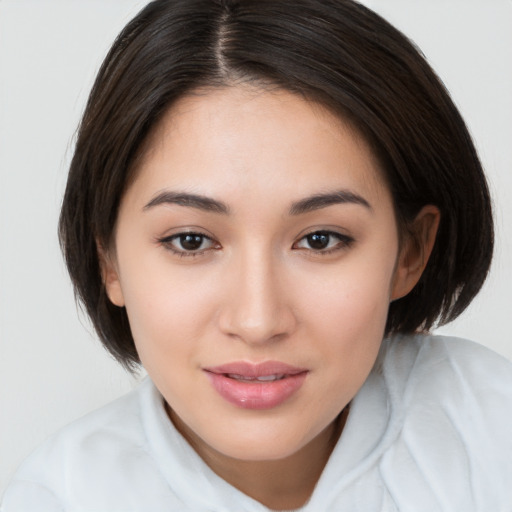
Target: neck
283,484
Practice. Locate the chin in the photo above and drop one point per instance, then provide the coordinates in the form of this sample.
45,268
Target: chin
260,444
260,451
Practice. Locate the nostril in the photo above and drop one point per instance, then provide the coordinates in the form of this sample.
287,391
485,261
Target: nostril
270,329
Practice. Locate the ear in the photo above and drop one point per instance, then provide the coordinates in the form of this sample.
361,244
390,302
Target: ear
415,251
110,275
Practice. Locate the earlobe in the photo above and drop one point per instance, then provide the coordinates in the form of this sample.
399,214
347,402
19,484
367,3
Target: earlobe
415,251
110,276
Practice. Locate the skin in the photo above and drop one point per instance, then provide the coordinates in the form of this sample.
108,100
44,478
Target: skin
256,289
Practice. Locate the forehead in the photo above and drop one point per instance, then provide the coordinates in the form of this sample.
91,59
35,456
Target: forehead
246,140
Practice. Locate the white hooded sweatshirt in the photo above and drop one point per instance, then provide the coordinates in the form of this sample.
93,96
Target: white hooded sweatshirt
430,430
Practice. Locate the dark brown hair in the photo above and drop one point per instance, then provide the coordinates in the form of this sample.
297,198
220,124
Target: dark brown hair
336,52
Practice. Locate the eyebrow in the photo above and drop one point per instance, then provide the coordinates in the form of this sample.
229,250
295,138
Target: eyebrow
200,202
207,204
319,201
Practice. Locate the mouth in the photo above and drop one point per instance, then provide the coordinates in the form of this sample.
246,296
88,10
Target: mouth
263,378
256,386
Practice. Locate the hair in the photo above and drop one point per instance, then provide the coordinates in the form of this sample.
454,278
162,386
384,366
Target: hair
335,52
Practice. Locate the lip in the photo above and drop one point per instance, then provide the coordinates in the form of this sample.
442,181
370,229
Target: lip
238,383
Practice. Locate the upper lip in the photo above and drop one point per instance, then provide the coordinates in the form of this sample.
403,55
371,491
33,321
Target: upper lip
253,370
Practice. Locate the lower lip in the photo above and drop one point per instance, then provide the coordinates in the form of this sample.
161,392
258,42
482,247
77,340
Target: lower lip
256,395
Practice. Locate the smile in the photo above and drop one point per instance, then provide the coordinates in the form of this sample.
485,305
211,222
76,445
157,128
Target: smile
256,386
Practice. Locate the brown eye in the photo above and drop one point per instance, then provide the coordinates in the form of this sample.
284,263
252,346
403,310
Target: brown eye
188,244
324,241
318,241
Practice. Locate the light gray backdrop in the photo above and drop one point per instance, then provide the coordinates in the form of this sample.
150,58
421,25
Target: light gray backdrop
52,369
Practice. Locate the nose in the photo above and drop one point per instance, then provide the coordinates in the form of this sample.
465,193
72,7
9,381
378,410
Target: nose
256,309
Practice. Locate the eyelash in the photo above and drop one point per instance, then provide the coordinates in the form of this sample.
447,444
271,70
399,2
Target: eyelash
344,241
167,242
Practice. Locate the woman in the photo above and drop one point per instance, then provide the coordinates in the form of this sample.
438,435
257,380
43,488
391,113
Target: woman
269,206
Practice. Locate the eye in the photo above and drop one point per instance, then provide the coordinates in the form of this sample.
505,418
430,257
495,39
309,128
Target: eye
324,241
188,244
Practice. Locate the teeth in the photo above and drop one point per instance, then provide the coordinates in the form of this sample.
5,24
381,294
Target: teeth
263,378
267,378
235,376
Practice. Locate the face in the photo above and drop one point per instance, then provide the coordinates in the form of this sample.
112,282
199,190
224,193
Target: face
256,254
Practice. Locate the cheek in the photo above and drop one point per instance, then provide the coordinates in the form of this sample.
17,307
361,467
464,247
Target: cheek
354,296
169,309
349,326
346,312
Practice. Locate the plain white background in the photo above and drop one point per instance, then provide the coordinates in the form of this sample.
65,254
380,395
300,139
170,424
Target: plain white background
52,368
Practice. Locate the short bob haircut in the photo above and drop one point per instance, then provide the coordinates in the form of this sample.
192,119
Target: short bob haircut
334,52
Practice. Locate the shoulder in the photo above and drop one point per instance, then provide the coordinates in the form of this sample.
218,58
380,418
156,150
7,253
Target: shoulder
117,420
415,359
91,460
457,376
452,402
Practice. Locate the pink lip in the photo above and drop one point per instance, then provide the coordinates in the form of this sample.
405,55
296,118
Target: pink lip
237,383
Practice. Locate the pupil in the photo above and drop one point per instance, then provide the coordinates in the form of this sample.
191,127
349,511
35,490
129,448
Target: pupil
191,242
318,240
